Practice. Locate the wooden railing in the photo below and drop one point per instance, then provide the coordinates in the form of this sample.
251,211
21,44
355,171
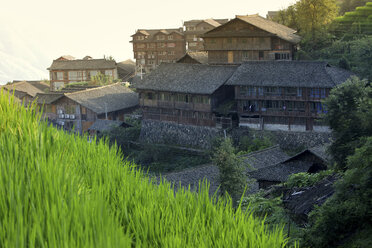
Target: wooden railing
176,105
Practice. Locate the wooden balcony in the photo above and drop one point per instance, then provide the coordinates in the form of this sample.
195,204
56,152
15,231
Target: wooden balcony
176,105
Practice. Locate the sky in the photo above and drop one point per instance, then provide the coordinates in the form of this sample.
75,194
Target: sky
34,32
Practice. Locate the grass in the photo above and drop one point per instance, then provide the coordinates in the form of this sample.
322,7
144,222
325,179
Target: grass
58,190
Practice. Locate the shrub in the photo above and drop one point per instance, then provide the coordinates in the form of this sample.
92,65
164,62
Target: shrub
304,179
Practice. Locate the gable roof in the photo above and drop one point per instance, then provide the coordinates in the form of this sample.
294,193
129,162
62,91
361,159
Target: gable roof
48,98
185,78
82,64
271,27
26,87
289,73
107,98
105,125
265,158
212,22
198,57
126,69
151,33
281,171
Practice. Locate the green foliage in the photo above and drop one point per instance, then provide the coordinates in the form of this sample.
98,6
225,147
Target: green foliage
124,136
349,116
57,190
358,21
232,173
348,211
305,179
102,79
248,144
309,17
350,5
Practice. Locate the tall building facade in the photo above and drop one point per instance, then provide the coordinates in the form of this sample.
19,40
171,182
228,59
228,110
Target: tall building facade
151,47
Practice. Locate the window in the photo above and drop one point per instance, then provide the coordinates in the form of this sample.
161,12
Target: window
299,92
108,73
151,45
272,91
260,55
281,56
59,75
140,45
161,45
201,99
171,53
165,97
316,107
182,98
141,37
151,55
170,37
162,53
192,44
314,92
160,37
149,96
171,44
322,93
290,91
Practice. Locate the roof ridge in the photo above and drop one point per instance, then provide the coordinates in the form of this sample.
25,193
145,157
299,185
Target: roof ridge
260,151
90,89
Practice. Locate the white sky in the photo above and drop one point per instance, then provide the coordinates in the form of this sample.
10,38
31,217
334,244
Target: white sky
34,32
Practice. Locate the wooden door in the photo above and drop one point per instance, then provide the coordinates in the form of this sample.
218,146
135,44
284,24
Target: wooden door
230,57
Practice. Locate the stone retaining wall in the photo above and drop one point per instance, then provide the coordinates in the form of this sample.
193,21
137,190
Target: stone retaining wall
169,133
161,132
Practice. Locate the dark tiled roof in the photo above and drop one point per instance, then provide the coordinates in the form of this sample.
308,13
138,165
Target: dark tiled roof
106,98
48,98
126,69
265,158
280,30
82,64
151,33
289,73
303,200
262,23
199,57
192,177
41,85
105,125
185,78
280,172
29,88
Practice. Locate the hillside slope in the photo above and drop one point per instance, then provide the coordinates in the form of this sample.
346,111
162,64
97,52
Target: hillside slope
60,190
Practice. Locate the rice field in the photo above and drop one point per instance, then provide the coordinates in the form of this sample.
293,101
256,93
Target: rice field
58,190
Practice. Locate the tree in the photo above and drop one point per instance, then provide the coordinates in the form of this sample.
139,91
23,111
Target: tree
313,15
232,173
346,217
349,116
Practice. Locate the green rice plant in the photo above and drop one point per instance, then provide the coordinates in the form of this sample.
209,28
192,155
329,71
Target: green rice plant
58,190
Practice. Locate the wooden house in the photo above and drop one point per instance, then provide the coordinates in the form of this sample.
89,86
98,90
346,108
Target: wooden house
309,160
81,109
250,37
284,95
25,91
194,58
184,93
152,47
195,28
66,70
